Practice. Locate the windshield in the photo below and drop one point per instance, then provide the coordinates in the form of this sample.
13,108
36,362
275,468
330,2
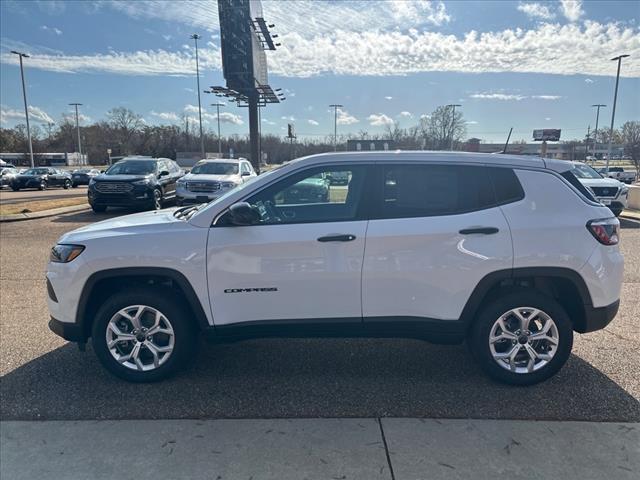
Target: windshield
217,168
36,171
133,167
585,171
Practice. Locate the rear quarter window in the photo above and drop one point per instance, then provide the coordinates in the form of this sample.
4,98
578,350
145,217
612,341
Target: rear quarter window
506,185
573,180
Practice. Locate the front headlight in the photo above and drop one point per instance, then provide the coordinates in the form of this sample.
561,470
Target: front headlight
92,181
144,181
62,253
228,185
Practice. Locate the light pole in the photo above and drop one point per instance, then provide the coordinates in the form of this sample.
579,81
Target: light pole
78,129
335,107
26,109
195,38
595,132
613,112
453,121
218,105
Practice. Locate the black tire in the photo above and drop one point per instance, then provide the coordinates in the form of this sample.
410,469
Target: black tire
74,185
157,202
43,185
479,337
172,307
99,208
66,185
14,188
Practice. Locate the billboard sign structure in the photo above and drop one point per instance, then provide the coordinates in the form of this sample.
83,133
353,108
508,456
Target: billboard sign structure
546,135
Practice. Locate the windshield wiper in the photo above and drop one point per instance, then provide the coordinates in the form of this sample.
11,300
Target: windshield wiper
187,212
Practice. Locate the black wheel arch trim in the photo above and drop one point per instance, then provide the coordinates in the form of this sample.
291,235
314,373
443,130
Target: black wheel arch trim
513,274
159,272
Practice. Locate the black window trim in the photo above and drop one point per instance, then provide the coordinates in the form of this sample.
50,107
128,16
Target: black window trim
362,214
377,203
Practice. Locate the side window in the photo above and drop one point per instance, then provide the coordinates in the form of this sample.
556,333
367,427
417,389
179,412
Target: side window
173,167
321,194
162,165
506,185
244,167
430,190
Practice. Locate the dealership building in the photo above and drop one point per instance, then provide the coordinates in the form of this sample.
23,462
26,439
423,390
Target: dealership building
46,159
561,151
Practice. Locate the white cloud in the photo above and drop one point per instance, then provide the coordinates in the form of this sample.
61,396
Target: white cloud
169,116
344,118
71,118
379,120
188,108
289,118
36,114
497,96
418,12
55,30
588,80
547,118
228,117
571,9
388,98
547,97
536,10
313,122
424,116
405,114
268,122
471,122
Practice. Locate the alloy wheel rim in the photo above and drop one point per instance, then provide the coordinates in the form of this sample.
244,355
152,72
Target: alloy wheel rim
523,340
140,337
157,200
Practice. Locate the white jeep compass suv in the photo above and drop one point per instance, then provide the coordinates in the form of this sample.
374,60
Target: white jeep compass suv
511,254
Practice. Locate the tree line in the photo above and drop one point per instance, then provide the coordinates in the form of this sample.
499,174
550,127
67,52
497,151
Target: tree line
125,132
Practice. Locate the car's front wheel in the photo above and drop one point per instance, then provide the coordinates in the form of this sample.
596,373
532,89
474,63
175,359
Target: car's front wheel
67,184
157,199
99,208
143,335
522,338
43,185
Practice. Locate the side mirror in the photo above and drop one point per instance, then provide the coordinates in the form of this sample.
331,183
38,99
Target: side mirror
245,174
243,214
164,173
102,171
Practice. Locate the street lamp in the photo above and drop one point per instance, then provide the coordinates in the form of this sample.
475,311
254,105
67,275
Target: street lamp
26,109
595,133
218,105
195,38
613,112
335,107
453,121
78,129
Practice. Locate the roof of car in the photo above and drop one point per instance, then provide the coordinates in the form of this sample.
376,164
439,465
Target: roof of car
221,160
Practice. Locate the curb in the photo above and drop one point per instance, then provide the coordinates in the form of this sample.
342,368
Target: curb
631,214
17,217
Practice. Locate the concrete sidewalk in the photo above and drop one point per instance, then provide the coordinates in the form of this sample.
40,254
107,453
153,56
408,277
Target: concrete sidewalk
341,449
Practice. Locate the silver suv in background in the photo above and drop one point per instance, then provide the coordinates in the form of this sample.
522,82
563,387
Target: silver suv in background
608,191
209,179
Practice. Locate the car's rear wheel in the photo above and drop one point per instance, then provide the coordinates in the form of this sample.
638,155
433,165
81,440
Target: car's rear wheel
157,199
99,208
74,185
143,335
15,188
522,339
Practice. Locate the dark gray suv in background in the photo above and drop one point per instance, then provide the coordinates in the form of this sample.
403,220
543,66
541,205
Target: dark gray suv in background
136,182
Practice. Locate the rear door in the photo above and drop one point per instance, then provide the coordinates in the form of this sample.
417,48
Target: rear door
435,232
302,261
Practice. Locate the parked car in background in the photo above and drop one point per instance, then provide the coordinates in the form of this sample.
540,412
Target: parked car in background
509,254
608,191
339,178
314,189
209,179
619,173
82,176
7,174
41,178
137,182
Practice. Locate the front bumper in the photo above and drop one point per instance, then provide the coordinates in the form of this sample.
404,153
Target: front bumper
69,331
598,318
136,197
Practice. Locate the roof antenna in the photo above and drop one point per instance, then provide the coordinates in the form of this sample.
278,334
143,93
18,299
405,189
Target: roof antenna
506,144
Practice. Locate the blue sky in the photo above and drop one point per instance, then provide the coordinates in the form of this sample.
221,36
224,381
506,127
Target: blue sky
509,64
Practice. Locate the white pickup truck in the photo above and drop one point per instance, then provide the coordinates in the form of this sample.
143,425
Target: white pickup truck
619,173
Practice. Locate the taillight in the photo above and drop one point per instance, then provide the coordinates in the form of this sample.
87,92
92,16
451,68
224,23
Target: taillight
605,230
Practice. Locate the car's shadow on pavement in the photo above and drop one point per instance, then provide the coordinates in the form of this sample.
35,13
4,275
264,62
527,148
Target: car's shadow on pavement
310,378
624,223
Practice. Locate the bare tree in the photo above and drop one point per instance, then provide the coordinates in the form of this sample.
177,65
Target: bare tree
125,124
438,129
630,136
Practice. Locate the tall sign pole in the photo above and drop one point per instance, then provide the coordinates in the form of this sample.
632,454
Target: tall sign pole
613,113
76,105
195,38
26,109
335,107
595,133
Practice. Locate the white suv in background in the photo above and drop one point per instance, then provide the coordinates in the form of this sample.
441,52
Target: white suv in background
511,254
209,179
608,191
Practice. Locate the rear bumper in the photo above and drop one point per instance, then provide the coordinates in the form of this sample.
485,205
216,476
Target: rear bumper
69,331
598,318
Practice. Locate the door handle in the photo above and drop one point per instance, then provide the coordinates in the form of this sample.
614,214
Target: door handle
337,238
482,230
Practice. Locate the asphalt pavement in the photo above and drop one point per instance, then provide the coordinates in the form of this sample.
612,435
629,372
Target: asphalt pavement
46,378
8,196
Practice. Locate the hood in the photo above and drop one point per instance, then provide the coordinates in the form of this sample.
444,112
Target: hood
191,177
119,178
601,182
157,220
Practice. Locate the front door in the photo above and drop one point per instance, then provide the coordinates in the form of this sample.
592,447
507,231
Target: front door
301,261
